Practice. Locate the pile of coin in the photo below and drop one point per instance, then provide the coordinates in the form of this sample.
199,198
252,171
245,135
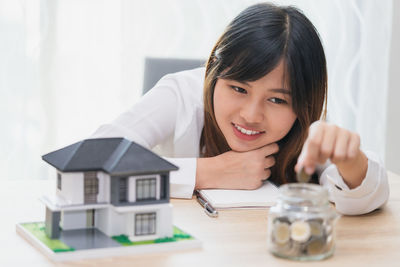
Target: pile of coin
301,238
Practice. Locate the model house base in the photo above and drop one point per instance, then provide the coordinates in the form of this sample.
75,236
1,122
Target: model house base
112,198
86,243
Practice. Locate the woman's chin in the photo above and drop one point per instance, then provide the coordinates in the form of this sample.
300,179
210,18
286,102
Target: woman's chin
243,147
240,147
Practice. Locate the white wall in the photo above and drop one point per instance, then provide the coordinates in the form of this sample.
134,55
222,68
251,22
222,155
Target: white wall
392,157
111,222
104,187
164,223
72,187
73,219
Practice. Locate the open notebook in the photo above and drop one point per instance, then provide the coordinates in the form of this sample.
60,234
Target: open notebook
265,196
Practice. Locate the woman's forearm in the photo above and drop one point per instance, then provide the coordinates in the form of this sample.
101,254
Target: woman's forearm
354,171
205,171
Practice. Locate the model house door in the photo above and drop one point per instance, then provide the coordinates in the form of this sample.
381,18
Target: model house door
89,218
91,187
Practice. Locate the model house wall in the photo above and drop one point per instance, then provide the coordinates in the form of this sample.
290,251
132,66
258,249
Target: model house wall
104,187
109,220
76,219
72,187
117,221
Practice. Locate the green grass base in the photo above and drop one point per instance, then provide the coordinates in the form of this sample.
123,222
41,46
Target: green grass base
178,235
38,230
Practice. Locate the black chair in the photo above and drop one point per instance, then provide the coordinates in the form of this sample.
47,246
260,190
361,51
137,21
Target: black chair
156,68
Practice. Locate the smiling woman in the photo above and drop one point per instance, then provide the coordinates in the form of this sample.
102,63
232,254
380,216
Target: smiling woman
264,88
281,51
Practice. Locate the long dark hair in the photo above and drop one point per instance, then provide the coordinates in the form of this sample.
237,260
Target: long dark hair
251,46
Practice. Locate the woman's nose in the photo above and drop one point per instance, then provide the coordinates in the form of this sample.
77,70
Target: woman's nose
251,112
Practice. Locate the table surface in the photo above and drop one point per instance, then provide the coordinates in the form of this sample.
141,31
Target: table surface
235,238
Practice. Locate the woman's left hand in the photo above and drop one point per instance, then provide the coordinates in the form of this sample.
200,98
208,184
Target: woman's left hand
342,147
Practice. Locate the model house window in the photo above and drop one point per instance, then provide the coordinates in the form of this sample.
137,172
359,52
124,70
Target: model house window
145,224
92,186
59,181
146,188
123,185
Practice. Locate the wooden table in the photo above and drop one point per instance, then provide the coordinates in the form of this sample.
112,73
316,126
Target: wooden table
235,238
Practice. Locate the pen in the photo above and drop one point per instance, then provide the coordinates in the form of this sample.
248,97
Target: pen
208,209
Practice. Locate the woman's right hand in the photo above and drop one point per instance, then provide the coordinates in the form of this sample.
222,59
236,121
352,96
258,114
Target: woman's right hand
236,170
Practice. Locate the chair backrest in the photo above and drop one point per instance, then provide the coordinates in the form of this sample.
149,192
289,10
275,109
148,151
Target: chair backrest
156,68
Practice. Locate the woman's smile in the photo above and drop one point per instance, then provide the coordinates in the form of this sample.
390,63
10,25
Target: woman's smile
245,133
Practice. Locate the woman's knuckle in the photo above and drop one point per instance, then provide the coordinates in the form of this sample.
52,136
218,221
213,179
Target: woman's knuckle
325,151
338,156
270,161
352,156
275,148
313,142
260,165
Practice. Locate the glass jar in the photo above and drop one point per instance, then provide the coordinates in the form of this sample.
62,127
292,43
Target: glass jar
301,226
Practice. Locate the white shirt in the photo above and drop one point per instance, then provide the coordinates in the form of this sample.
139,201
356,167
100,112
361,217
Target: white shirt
169,120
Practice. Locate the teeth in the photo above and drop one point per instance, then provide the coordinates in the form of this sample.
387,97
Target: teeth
244,131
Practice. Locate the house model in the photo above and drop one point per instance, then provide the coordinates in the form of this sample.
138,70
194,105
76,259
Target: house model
110,193
113,185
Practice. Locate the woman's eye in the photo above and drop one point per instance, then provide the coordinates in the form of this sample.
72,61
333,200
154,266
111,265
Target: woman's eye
277,100
239,90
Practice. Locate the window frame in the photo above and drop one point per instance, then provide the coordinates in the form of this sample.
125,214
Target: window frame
145,224
146,188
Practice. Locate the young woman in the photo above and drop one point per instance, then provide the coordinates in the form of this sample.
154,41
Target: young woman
254,114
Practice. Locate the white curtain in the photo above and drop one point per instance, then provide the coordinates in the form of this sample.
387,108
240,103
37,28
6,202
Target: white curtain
67,66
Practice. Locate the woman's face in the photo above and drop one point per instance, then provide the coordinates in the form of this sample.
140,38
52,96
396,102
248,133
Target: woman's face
254,114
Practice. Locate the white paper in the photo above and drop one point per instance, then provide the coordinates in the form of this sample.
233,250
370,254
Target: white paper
265,196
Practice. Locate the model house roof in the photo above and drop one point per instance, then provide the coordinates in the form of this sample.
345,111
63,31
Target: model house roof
116,156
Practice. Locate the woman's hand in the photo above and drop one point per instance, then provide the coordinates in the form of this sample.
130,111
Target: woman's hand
236,170
342,147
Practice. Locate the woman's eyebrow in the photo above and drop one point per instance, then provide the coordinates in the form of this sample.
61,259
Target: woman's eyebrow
241,82
275,90
280,90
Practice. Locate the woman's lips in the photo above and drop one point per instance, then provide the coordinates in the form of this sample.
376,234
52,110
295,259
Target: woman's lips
249,135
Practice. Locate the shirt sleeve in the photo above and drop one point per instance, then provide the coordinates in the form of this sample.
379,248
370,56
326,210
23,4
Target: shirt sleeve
148,122
373,192
182,182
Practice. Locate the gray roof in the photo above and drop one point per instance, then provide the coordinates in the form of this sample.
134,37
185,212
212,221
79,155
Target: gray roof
116,156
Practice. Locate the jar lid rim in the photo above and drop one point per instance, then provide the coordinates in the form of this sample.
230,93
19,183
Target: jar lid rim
297,192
